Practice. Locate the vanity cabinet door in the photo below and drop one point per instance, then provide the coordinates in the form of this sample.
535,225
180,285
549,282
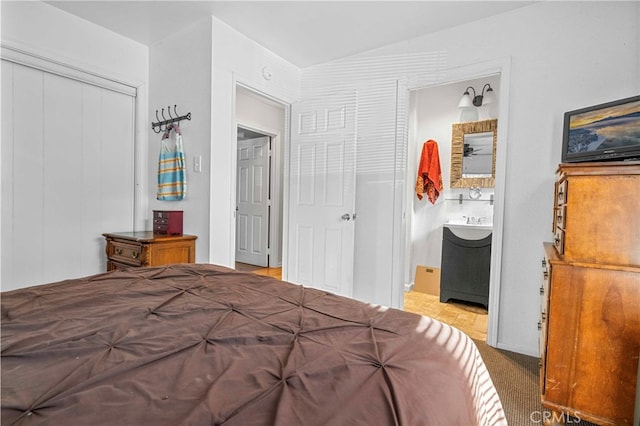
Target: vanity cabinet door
465,270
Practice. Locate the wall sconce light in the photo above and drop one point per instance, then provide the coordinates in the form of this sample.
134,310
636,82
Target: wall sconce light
478,100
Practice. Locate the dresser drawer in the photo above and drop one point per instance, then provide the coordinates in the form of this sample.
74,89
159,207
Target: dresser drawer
558,241
121,252
561,195
561,216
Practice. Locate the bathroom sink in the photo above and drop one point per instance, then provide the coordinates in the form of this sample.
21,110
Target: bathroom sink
469,231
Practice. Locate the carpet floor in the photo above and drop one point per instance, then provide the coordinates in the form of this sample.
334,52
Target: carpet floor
516,379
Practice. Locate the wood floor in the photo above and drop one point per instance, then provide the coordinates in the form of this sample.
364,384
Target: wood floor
470,318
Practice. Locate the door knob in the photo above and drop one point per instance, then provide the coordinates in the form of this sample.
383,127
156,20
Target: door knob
346,217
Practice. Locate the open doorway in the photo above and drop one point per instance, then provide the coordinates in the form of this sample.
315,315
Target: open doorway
426,239
436,255
259,181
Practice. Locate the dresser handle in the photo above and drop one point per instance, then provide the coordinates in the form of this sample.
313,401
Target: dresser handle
118,250
539,325
541,290
135,254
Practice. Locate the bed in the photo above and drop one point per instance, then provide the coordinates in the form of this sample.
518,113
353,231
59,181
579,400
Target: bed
206,345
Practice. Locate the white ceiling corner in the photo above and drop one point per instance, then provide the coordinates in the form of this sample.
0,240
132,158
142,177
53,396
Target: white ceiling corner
304,33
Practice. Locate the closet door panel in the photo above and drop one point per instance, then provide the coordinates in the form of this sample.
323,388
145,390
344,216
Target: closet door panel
107,169
6,166
118,159
93,135
27,245
62,174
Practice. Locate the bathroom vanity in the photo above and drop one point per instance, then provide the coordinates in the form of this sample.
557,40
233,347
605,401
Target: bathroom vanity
466,262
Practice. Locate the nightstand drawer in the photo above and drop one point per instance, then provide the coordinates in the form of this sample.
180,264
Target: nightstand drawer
131,254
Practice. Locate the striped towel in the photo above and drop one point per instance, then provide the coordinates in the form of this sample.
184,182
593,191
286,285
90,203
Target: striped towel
172,173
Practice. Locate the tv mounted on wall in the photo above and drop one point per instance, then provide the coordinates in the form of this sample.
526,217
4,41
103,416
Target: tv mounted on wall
609,131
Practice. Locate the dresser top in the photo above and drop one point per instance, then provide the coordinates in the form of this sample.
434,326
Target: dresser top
600,168
146,236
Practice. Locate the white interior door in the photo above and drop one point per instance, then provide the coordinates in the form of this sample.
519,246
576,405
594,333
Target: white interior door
252,198
322,193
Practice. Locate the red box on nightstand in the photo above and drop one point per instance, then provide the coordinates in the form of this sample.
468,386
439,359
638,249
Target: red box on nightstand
167,222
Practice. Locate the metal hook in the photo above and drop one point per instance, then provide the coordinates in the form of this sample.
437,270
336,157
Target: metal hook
153,127
164,119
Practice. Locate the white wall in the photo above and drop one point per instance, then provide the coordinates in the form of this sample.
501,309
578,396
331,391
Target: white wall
51,32
198,69
236,59
180,74
564,55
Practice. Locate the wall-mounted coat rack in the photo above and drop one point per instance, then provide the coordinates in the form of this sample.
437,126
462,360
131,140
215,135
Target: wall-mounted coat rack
166,121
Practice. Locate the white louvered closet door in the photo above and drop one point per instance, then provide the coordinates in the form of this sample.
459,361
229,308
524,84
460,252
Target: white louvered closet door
67,174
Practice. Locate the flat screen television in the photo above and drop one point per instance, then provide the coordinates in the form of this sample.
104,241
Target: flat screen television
609,131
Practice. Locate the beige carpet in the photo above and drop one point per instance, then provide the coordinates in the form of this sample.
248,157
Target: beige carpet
515,377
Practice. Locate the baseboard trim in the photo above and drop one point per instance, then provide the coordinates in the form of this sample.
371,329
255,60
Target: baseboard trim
517,349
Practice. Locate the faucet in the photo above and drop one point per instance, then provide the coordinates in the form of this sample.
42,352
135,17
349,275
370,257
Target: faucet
474,220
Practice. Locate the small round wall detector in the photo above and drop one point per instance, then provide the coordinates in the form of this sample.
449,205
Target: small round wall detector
266,73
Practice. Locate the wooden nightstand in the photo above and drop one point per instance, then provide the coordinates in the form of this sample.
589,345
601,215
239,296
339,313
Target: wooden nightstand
127,249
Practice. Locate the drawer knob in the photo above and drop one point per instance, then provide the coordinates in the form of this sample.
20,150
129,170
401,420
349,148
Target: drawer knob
541,290
539,325
118,250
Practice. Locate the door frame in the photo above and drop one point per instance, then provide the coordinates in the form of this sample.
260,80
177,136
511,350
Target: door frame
403,225
280,161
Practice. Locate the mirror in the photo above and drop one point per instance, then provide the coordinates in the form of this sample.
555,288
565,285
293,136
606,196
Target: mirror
473,154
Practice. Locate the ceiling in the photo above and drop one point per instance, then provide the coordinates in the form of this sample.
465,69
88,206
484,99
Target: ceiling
304,33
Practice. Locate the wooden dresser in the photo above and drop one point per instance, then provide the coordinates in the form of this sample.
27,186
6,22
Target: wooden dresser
127,249
590,308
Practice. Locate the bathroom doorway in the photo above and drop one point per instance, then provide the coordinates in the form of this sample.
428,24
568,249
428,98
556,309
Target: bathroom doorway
424,221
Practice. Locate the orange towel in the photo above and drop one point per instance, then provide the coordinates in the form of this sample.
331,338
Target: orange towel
429,174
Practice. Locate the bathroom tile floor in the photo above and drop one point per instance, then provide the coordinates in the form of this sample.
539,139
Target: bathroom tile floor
470,318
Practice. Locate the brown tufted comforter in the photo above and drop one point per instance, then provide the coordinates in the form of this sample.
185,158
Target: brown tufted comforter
206,345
